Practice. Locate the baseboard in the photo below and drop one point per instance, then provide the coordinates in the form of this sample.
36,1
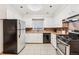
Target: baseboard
1,53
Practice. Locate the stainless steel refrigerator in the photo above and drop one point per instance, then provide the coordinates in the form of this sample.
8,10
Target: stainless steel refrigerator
13,36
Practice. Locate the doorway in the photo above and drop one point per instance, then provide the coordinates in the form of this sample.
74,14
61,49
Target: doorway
46,37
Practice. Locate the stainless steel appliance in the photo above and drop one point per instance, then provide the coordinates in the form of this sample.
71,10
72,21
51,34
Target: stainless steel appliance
74,43
62,47
13,36
68,45
74,35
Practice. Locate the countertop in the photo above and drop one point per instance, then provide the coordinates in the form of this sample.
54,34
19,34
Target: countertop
45,31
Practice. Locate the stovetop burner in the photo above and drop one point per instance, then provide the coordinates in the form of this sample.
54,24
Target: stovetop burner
66,39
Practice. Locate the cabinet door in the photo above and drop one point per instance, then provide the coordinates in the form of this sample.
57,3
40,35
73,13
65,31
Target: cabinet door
34,38
57,23
38,38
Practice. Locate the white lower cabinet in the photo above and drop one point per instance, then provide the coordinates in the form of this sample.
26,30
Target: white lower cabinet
34,38
53,40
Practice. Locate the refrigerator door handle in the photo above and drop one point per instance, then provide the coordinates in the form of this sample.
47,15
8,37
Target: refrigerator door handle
19,29
19,34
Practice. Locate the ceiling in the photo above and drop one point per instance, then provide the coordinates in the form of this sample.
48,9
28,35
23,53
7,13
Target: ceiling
36,9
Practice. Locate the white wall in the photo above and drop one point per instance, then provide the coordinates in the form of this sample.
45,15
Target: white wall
2,11
2,16
8,12
12,13
66,11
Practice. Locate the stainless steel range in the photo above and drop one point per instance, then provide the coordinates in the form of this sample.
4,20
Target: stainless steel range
68,45
62,47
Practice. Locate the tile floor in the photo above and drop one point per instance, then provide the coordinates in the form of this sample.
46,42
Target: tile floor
38,49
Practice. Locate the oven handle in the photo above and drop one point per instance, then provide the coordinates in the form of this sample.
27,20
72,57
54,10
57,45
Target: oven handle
62,42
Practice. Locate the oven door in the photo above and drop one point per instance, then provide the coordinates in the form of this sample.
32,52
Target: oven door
62,48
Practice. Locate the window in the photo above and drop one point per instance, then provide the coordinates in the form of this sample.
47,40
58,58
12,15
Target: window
37,24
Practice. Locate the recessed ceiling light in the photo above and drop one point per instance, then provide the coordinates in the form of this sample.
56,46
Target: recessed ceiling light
21,6
34,7
50,6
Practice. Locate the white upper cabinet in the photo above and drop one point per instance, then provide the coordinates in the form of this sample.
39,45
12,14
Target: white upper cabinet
57,23
28,21
48,22
51,22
